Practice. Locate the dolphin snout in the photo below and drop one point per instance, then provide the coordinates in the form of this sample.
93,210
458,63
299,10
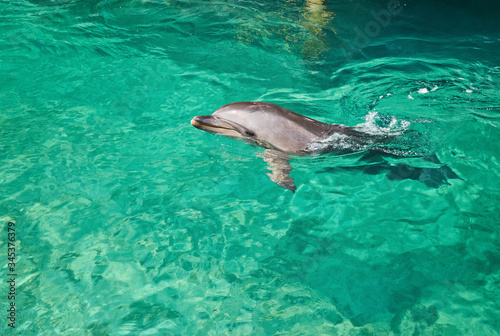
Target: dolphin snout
198,120
203,122
214,124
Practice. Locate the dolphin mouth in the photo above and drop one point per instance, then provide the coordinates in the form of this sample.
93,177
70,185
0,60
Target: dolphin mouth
214,125
208,123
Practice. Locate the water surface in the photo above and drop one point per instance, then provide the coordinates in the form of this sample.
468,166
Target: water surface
132,222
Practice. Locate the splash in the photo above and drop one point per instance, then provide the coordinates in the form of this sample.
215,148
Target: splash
382,125
336,141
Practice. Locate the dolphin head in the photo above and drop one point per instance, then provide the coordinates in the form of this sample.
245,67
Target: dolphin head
231,122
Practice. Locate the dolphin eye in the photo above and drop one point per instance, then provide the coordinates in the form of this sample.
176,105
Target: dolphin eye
249,133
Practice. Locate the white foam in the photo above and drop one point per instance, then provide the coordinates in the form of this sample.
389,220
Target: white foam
338,140
393,127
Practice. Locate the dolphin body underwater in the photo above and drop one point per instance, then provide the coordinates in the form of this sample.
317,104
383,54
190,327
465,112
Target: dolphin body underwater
282,133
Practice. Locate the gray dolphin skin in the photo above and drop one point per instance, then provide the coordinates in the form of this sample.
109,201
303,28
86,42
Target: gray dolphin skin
282,133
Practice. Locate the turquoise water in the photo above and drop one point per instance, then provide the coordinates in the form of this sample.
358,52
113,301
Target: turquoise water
129,221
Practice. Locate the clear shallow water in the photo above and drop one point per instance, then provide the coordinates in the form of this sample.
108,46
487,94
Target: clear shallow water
132,222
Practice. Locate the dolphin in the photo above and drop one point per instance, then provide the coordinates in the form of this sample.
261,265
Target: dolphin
282,133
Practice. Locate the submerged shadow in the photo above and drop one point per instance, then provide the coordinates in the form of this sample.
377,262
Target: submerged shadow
375,162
